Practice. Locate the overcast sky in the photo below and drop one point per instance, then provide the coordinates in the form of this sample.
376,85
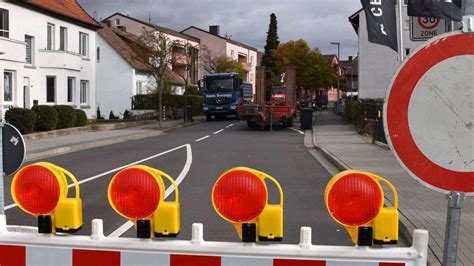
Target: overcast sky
319,22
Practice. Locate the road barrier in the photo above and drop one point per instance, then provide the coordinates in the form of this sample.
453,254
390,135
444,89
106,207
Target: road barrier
33,249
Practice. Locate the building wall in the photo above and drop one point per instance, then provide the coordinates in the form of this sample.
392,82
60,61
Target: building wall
132,26
61,64
377,63
214,44
115,81
233,52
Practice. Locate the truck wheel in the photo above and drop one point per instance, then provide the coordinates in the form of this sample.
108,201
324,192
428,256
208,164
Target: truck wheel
208,118
251,124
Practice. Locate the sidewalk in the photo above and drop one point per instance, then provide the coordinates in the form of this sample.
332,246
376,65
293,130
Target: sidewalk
419,206
51,146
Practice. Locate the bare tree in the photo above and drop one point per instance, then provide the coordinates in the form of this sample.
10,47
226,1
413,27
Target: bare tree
155,49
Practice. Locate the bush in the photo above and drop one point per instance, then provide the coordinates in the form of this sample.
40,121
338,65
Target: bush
112,115
98,115
351,111
23,119
66,116
81,118
127,115
172,102
47,117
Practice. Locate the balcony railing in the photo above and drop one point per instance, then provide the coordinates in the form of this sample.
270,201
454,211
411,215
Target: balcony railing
180,59
12,50
60,59
246,66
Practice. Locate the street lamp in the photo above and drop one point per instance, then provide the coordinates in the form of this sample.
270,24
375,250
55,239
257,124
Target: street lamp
338,78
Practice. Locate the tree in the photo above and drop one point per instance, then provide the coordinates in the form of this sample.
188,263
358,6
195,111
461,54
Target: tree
313,71
268,59
154,49
220,63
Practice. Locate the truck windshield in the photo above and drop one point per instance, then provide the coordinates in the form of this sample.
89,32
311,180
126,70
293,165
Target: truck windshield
217,85
278,90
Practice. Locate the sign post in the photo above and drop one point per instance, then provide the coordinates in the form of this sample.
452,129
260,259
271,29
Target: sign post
428,120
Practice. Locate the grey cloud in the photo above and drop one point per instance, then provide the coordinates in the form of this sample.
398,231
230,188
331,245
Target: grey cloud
318,22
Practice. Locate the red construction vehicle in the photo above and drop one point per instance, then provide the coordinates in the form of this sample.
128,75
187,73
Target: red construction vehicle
279,111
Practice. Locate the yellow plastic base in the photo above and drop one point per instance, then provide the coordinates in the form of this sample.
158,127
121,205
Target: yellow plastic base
68,215
166,219
270,223
386,226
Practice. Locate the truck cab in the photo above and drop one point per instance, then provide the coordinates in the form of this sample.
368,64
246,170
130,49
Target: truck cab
221,94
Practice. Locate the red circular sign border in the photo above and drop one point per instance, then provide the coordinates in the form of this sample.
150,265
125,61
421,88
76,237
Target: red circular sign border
431,27
396,114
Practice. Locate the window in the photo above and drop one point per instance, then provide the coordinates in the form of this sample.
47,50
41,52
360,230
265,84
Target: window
251,78
84,44
251,60
4,23
50,37
232,54
117,22
98,54
63,39
84,92
29,49
71,83
139,85
8,86
50,89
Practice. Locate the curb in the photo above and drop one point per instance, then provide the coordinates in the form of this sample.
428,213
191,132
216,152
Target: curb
405,226
100,143
382,145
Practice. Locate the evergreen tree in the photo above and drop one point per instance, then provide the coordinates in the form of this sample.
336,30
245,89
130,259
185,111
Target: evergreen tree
268,59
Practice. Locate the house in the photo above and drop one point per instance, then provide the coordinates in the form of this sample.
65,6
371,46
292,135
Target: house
185,62
377,63
47,54
332,91
218,45
351,71
120,74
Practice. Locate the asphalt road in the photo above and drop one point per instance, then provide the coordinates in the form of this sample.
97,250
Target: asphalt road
214,147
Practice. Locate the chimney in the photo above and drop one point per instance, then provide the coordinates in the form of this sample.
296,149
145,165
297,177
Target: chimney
350,59
214,30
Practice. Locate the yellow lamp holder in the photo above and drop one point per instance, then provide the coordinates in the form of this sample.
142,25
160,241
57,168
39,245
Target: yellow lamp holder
268,226
165,220
66,217
383,229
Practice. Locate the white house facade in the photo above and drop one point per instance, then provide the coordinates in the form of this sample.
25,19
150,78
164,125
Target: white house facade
47,55
377,63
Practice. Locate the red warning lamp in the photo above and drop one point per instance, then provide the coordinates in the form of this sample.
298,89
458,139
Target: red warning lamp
41,190
137,193
240,196
37,190
355,199
134,187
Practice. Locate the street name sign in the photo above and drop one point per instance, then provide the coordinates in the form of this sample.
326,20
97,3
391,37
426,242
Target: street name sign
429,113
425,28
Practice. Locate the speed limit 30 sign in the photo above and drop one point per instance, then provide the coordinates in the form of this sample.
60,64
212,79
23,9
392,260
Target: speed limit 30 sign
424,28
429,114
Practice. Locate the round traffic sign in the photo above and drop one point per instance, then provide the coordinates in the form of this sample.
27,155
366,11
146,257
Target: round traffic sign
429,116
428,23
13,149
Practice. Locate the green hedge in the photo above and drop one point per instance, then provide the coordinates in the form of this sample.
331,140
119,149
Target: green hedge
66,116
175,102
47,117
81,118
23,119
351,111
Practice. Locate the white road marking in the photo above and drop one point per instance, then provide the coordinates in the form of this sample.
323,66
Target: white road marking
189,160
217,132
299,131
117,169
203,138
231,125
